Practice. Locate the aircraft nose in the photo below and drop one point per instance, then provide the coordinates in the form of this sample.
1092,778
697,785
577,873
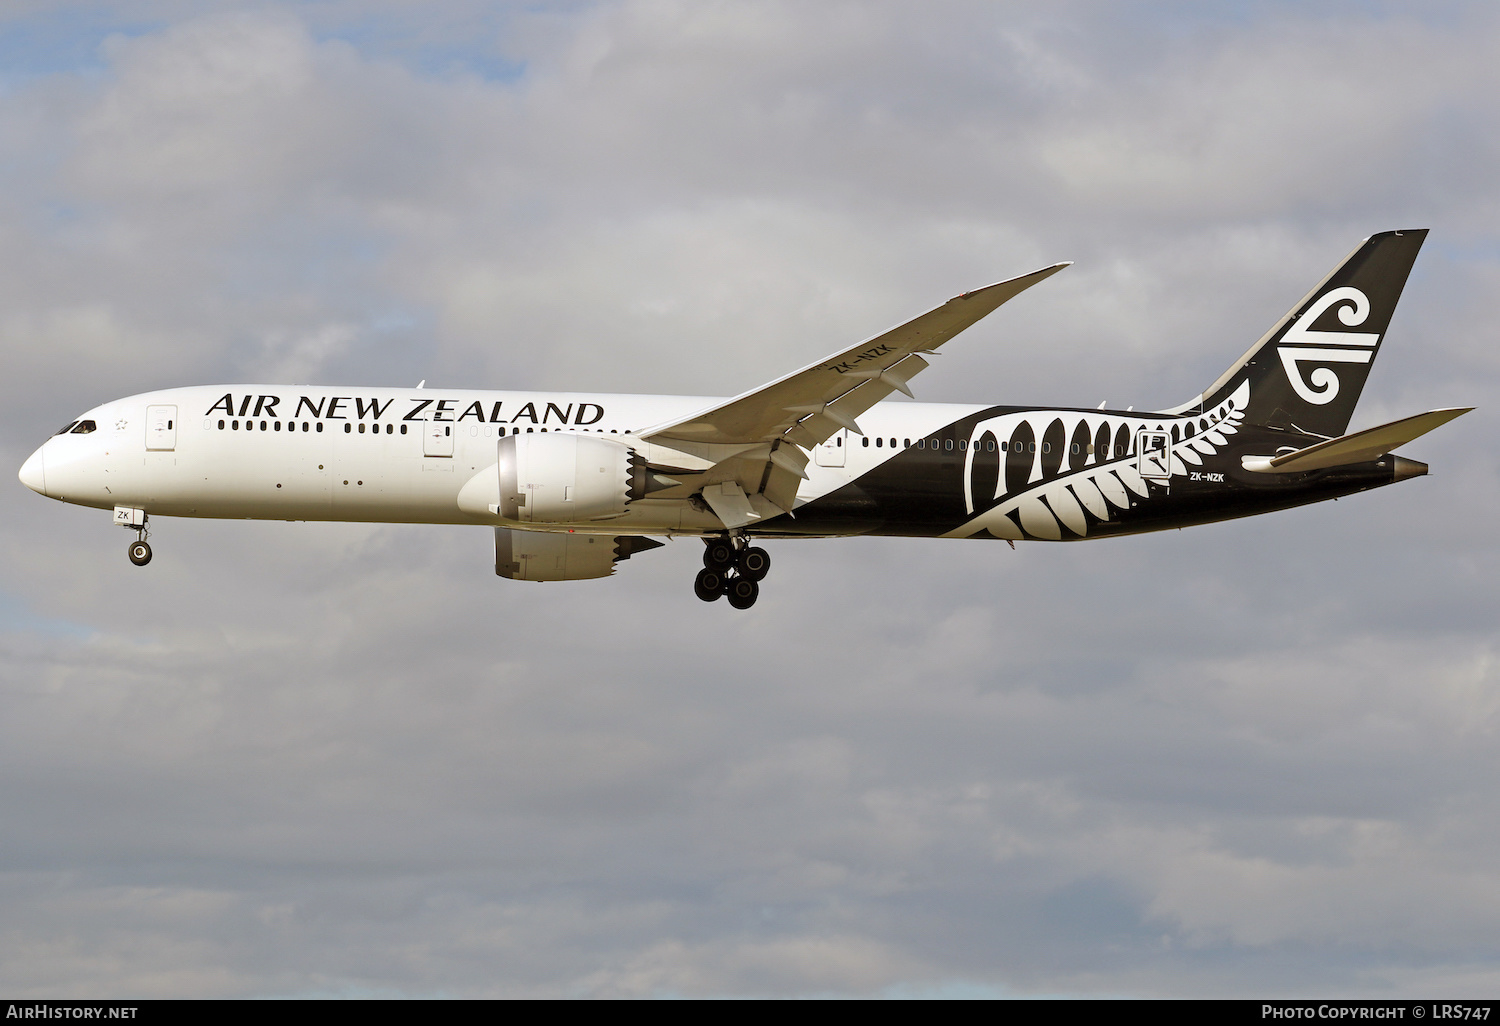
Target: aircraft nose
34,472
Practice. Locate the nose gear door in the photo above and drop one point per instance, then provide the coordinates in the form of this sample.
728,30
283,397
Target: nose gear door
1153,455
161,428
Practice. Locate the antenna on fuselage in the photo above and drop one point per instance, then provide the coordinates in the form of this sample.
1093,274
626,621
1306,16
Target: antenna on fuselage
422,383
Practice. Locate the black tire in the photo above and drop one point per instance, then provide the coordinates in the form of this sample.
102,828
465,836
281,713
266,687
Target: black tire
709,584
139,553
743,592
754,563
718,554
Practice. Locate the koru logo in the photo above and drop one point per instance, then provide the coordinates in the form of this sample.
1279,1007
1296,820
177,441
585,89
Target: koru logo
1303,345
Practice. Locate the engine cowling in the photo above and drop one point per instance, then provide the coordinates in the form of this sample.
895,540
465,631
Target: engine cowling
535,556
563,478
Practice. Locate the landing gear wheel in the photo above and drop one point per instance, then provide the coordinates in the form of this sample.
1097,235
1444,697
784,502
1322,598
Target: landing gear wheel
709,585
743,592
139,552
754,564
718,554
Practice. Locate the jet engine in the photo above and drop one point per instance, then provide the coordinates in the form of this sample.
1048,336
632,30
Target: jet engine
567,478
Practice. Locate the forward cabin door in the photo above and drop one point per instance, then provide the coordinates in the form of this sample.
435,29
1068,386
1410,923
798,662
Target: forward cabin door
437,439
831,452
1154,455
161,428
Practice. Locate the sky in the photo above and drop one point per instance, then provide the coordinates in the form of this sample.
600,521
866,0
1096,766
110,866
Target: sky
1246,759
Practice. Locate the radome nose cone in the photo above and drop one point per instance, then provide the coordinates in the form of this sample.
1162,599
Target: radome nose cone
34,473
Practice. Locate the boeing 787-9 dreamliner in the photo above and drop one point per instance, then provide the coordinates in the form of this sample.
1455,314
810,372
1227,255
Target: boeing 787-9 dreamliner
572,483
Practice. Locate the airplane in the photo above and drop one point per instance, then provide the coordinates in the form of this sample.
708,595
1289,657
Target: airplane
573,484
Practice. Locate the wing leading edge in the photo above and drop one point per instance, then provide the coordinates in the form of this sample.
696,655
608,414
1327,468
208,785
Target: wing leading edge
757,443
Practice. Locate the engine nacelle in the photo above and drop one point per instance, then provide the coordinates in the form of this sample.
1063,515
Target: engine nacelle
563,478
535,556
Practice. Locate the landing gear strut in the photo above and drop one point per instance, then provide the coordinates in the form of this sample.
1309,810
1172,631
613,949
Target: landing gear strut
135,520
732,568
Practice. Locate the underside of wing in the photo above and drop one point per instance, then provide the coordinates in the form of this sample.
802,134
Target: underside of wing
746,456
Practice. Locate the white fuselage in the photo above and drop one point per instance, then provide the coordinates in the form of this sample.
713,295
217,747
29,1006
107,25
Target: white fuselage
380,454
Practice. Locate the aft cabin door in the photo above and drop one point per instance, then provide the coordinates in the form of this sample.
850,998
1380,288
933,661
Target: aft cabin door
161,428
831,452
437,439
1154,455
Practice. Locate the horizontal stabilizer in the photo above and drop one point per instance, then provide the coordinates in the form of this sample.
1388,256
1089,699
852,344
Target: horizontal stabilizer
1360,447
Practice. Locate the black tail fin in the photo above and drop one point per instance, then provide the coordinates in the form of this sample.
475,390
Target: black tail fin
1306,373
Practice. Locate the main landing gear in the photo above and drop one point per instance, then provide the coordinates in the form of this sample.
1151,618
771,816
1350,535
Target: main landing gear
732,568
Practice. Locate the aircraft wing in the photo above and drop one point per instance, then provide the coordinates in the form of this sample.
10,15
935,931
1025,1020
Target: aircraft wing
758,444
809,405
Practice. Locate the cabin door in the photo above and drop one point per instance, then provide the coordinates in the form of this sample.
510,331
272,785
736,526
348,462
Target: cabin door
437,439
831,452
1154,455
161,428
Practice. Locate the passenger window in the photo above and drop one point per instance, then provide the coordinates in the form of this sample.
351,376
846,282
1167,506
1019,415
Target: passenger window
989,446
234,425
403,429
1046,447
348,429
221,425
963,445
320,425
908,443
879,442
866,441
85,427
1075,450
263,425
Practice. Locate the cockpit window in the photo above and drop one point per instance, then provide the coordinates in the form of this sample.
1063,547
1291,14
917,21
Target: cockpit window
85,427
68,428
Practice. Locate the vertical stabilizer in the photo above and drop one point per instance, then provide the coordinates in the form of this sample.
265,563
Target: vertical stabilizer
1306,373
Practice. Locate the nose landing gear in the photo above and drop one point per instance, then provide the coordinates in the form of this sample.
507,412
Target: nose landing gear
135,520
733,569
